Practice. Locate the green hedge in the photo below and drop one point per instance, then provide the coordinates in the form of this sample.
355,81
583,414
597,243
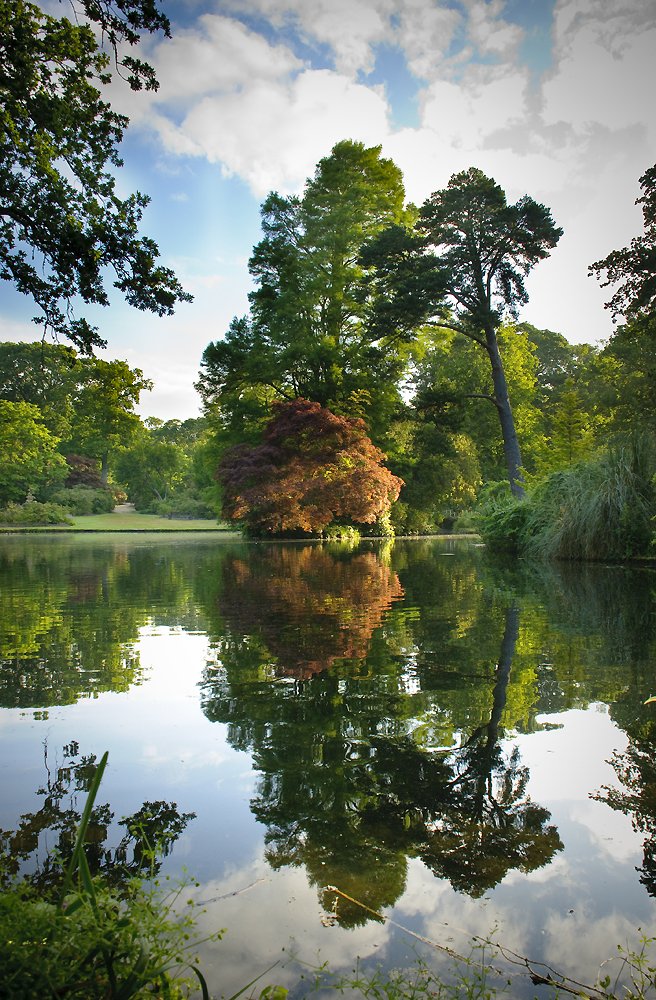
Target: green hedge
33,512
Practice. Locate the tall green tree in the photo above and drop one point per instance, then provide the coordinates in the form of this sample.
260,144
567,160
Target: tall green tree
151,470
104,418
29,461
307,334
463,268
63,226
451,371
42,374
627,361
627,377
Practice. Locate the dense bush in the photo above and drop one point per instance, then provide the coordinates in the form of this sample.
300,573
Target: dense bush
312,469
599,509
85,500
183,505
32,512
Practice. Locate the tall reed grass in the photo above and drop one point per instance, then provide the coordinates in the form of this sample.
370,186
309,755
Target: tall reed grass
601,509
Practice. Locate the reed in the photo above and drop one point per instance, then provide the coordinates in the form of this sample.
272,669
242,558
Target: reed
601,509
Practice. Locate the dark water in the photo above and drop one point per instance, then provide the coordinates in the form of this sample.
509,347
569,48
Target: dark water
461,746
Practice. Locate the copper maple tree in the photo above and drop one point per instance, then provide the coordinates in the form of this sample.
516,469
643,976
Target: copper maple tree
313,468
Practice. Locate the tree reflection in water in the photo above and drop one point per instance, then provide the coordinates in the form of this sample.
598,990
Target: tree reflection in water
348,788
307,605
636,771
42,845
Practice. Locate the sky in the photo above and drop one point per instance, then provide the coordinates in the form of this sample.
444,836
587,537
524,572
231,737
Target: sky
552,98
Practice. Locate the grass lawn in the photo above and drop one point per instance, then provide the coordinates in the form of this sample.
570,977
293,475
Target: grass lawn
124,521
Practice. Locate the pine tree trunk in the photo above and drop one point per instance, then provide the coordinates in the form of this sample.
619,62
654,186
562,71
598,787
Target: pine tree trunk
508,432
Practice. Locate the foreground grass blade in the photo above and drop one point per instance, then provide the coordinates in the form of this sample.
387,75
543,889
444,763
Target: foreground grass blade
78,858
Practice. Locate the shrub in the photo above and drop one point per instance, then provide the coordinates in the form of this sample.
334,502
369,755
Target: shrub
83,471
342,532
599,509
32,513
502,524
408,520
85,500
184,505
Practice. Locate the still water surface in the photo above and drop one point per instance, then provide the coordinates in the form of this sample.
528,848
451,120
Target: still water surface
458,745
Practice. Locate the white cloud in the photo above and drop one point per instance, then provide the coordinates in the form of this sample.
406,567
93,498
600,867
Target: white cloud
350,29
467,113
577,140
605,72
219,55
489,32
273,135
425,34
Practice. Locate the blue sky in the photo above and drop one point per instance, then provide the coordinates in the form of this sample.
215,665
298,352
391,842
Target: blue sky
553,98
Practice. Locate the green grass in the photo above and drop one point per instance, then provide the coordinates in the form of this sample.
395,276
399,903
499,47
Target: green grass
125,522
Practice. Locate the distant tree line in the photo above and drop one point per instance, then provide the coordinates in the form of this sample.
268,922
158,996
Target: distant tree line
70,436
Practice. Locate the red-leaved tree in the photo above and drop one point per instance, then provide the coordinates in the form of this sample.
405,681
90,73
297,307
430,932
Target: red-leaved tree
312,468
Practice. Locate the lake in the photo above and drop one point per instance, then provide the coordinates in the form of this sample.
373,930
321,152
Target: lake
458,745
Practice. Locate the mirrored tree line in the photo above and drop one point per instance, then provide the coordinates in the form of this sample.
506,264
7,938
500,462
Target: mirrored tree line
376,688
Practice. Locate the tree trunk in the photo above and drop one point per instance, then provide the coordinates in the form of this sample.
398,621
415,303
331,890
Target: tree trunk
508,432
508,644
104,469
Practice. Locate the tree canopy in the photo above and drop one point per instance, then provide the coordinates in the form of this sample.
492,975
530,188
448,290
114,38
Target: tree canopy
463,268
63,226
311,469
104,408
633,269
307,334
29,451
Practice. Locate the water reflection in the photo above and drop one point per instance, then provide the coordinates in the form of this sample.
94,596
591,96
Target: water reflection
636,771
70,614
352,780
305,607
42,844
380,693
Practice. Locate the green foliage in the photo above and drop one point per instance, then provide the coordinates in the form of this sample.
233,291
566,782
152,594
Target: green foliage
85,938
308,334
633,268
152,470
183,505
599,509
33,512
28,452
42,374
572,437
85,500
104,420
342,533
627,377
86,404
467,261
503,524
60,142
96,946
